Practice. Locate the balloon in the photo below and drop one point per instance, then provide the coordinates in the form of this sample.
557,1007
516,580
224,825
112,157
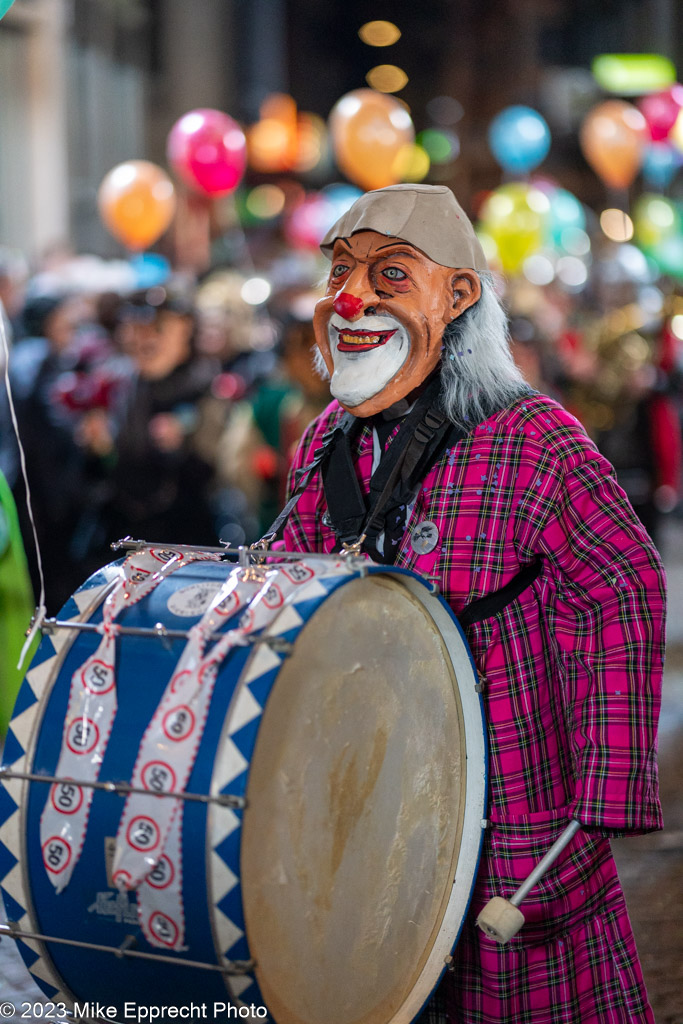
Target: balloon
136,201
151,269
515,216
342,197
308,222
613,137
519,139
369,129
655,218
660,163
660,110
208,151
272,141
5,6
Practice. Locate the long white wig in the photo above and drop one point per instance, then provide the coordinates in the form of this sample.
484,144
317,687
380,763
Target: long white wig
478,372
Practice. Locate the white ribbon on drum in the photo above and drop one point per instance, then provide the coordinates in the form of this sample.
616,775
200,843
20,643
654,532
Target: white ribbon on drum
91,712
148,853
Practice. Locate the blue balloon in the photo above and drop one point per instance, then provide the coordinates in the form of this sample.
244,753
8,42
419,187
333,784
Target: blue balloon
519,139
151,269
660,163
342,197
5,6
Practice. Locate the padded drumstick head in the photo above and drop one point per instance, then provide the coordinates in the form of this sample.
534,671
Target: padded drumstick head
500,919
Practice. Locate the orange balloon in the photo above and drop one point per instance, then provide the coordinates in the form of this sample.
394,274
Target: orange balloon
369,130
613,138
137,202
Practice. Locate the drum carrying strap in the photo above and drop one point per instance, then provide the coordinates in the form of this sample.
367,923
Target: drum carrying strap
345,428
401,468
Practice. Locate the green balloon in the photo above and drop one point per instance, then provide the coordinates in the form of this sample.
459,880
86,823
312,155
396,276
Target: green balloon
5,6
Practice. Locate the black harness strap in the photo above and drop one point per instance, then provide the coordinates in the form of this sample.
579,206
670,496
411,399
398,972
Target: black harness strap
343,429
351,515
489,605
424,440
345,501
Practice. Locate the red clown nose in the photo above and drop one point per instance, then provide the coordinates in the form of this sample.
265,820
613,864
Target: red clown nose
347,305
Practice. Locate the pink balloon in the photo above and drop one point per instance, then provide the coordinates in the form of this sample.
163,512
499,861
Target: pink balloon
661,110
208,151
309,221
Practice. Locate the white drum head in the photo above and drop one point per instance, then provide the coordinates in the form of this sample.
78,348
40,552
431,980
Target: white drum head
356,801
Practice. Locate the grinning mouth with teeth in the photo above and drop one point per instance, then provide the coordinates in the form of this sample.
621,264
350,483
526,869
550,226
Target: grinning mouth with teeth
361,341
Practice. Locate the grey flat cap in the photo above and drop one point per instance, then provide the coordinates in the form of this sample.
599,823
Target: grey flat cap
427,216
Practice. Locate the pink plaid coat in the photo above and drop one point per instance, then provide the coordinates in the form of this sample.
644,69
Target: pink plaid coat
572,672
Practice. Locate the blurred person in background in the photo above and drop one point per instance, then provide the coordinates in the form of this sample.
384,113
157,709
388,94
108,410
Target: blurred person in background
621,379
263,432
54,460
230,330
533,356
157,451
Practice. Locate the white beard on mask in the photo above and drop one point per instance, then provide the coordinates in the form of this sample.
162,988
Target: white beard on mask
359,376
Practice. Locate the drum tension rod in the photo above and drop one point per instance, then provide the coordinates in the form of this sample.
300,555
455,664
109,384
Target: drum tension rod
124,788
161,632
255,554
231,967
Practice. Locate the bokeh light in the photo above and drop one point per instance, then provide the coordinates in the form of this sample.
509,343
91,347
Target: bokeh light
379,33
616,225
255,291
538,269
441,146
631,74
265,201
572,272
386,78
445,110
411,163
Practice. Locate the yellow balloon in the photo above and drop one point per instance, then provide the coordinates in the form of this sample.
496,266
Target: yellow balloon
613,137
137,202
369,130
514,216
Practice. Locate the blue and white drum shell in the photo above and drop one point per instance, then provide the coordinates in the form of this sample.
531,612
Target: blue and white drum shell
331,821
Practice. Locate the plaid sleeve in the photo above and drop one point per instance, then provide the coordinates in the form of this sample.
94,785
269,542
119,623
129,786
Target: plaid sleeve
606,606
302,532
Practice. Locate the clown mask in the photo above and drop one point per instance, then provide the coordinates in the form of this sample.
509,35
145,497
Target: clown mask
380,323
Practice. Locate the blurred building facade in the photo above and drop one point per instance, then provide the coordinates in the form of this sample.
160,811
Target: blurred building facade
87,84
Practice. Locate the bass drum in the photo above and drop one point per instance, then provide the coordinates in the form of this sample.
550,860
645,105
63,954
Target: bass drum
331,812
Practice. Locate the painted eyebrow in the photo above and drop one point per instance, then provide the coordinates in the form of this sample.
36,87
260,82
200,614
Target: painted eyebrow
345,251
399,252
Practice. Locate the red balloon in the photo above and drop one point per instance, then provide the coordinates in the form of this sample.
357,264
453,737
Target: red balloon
661,110
208,151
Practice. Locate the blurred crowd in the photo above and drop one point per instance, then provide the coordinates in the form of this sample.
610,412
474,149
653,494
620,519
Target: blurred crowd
170,411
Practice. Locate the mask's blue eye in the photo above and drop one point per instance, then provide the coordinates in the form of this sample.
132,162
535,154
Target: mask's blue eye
339,270
394,274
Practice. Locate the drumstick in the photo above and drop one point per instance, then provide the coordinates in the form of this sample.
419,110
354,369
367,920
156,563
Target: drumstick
501,919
